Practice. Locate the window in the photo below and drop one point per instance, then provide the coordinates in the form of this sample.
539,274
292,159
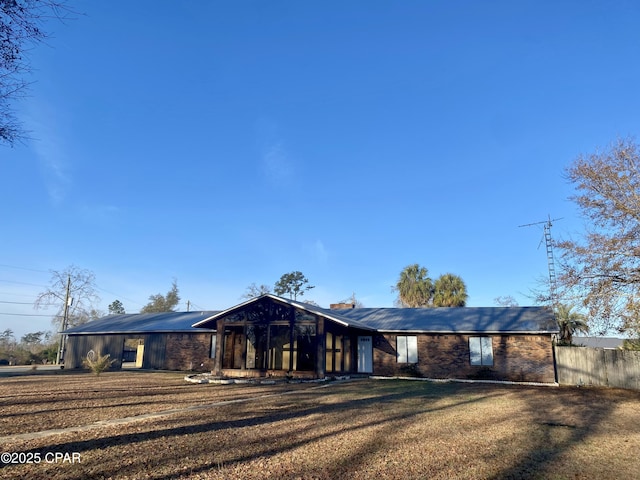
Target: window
407,348
232,347
279,347
304,347
214,339
334,353
481,351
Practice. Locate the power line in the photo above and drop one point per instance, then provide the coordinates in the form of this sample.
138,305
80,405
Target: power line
119,296
24,268
29,303
18,294
48,286
24,283
198,307
28,314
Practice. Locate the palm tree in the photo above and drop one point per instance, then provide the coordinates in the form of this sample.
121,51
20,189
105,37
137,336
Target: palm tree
414,287
450,291
569,323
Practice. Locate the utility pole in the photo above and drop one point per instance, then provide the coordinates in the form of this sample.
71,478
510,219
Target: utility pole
188,305
65,322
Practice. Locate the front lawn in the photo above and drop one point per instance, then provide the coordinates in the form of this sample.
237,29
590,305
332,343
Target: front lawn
355,429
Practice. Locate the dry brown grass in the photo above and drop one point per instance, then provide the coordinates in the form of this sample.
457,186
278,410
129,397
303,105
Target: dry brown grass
356,429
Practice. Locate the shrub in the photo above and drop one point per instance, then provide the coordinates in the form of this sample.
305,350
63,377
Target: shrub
49,354
97,363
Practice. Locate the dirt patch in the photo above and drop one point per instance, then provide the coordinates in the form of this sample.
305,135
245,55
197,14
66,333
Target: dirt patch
73,400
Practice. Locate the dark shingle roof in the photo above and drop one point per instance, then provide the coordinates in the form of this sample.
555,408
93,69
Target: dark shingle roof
461,320
143,323
435,320
327,313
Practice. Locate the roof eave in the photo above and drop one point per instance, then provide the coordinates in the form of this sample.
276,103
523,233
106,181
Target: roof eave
225,312
141,332
472,332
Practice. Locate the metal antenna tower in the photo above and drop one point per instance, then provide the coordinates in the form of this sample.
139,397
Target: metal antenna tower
550,260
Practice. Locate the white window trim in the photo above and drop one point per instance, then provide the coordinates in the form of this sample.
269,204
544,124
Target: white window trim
214,341
481,351
407,349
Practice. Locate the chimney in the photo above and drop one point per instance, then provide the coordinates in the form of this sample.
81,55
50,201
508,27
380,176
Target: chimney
341,306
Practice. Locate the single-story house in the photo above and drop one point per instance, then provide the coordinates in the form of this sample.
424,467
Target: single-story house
164,341
270,335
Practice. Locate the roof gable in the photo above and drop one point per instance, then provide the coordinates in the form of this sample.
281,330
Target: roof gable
332,315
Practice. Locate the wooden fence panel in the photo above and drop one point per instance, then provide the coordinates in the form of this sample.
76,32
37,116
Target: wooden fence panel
598,367
623,368
580,366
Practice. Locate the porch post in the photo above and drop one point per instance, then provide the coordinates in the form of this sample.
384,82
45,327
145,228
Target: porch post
292,339
217,363
243,346
320,348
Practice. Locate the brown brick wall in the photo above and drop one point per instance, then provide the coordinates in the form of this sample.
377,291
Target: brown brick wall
526,358
189,351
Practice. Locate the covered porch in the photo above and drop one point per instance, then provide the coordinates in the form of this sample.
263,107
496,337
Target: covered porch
272,336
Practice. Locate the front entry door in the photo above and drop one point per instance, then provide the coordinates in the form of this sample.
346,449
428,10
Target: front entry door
365,354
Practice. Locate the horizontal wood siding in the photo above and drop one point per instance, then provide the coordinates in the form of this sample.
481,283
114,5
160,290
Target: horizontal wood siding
162,351
515,358
154,351
79,345
598,367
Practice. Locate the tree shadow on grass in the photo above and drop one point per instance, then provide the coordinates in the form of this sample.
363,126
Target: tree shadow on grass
554,420
295,407
559,420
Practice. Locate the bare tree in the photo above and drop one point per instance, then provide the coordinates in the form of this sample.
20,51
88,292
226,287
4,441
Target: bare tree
21,27
79,299
353,300
505,301
254,291
602,268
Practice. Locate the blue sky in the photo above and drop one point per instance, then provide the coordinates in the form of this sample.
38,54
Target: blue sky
225,143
